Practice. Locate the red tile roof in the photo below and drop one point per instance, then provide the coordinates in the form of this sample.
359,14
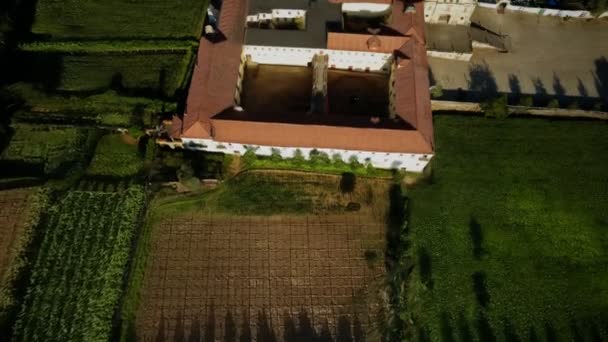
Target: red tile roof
319,136
215,78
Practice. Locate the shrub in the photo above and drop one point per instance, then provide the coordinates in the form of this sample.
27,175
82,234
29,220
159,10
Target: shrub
337,159
496,108
317,157
275,155
554,103
353,161
436,91
115,158
298,156
526,101
249,157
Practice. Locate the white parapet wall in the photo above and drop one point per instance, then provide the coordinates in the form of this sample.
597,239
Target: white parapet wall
457,56
412,162
366,9
338,59
451,12
540,11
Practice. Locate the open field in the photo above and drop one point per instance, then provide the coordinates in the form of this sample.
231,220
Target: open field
213,267
115,157
510,233
101,19
76,281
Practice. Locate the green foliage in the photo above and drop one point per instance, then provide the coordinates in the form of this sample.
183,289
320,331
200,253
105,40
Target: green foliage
120,18
529,194
76,281
496,108
554,103
157,72
436,91
258,195
107,109
526,101
53,149
353,161
115,158
318,157
275,156
298,157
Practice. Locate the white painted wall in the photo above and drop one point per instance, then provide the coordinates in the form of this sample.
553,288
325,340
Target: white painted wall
459,11
384,160
457,56
338,59
365,9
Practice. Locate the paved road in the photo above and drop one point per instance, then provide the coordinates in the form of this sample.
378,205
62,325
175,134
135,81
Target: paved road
566,58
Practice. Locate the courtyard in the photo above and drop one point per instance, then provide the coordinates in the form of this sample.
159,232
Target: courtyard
358,93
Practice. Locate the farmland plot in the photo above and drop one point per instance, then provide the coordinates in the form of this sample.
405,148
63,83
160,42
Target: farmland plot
77,277
276,278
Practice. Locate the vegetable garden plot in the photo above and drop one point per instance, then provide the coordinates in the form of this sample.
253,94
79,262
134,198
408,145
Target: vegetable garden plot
77,277
269,278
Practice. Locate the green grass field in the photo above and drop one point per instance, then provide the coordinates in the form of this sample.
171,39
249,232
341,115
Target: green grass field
155,72
115,158
95,19
511,233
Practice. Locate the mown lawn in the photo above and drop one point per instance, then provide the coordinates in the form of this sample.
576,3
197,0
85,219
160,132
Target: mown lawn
511,234
99,19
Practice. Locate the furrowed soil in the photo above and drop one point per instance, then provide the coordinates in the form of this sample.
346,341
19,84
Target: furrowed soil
267,278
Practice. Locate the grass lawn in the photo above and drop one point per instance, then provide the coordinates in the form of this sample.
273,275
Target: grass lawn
114,157
102,19
154,72
511,234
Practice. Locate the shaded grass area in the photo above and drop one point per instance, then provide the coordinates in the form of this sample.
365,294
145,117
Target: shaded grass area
119,18
155,73
510,232
115,158
107,109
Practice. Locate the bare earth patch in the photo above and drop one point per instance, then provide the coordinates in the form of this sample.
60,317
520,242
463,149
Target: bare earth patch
251,278
13,204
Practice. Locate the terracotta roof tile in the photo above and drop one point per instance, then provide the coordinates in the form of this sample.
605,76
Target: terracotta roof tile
318,136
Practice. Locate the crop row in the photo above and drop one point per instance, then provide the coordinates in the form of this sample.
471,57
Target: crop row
76,281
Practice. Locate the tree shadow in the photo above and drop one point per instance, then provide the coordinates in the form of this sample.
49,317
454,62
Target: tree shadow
426,267
358,332
423,335
464,331
515,88
540,92
533,336
601,79
348,181
344,333
264,330
447,332
484,329
432,80
577,334
180,333
160,335
210,325
559,90
229,328
550,333
195,330
325,335
246,329
480,289
482,82
510,332
582,90
476,235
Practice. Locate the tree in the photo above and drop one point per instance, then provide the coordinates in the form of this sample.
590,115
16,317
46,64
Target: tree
275,155
496,108
298,156
436,91
353,161
554,103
